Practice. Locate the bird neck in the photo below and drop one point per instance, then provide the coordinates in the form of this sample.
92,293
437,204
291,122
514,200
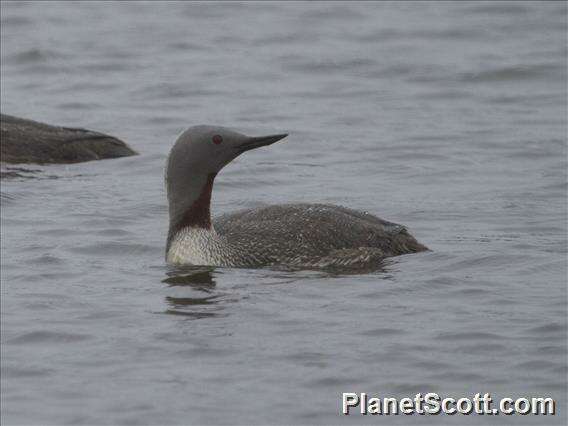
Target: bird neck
190,207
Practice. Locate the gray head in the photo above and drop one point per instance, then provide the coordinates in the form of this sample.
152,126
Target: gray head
195,159
207,149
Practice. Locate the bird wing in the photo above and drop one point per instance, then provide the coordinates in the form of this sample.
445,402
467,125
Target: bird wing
312,230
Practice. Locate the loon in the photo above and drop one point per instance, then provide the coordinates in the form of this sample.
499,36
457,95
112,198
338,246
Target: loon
290,235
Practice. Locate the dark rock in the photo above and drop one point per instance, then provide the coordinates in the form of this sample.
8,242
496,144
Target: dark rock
27,141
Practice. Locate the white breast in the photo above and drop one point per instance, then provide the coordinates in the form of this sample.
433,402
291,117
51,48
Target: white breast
197,246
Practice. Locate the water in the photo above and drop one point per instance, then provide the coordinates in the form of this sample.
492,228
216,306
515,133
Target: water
448,118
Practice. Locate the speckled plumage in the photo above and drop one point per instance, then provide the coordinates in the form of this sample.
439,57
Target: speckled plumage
293,235
296,235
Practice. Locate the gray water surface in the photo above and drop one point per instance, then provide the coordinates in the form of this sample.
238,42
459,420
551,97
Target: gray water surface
449,118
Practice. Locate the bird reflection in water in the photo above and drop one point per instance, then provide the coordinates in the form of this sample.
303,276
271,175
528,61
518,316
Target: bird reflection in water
194,289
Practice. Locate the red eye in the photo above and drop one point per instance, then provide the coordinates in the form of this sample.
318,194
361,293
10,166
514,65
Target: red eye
217,139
